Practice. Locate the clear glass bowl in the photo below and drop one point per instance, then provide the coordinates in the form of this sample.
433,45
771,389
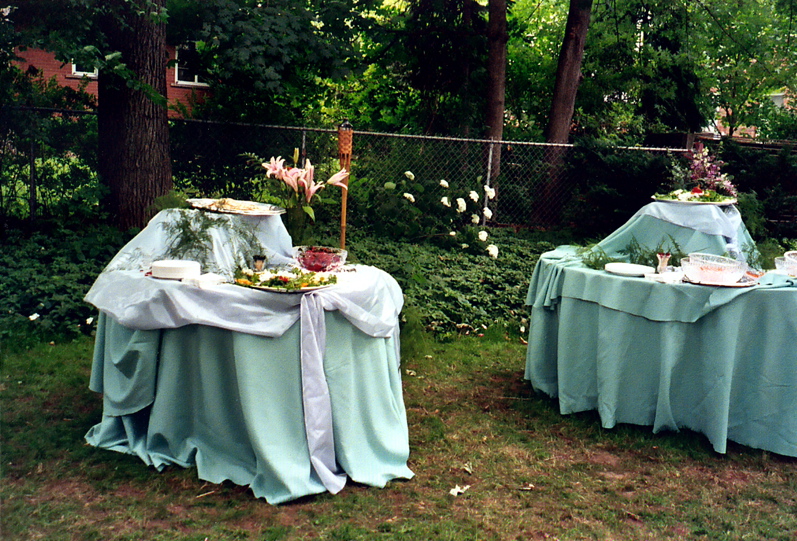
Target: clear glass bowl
789,266
713,269
319,258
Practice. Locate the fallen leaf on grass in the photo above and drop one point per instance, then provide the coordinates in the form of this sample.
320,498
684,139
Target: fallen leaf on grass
457,490
528,486
468,468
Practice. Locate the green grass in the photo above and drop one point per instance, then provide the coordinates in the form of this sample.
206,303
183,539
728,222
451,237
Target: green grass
532,473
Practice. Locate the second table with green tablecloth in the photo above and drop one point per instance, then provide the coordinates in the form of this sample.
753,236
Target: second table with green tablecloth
717,360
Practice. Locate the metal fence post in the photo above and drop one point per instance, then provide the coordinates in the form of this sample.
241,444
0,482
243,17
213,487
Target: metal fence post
488,179
345,143
32,200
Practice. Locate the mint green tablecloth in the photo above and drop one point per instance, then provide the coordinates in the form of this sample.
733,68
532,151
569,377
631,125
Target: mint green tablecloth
230,403
721,361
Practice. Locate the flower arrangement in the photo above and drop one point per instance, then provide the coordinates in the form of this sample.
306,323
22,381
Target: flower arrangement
460,206
701,180
293,188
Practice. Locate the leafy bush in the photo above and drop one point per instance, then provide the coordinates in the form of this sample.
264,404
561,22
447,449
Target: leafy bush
611,184
772,177
46,274
453,290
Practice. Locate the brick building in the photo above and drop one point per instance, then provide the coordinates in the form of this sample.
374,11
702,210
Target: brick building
184,87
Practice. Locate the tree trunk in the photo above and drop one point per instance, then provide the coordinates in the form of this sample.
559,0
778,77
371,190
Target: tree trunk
497,39
568,71
568,77
132,124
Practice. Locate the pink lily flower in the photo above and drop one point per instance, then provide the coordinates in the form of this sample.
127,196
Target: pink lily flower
292,177
310,187
338,179
275,167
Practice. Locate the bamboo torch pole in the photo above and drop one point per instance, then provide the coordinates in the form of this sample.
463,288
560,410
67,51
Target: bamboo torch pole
345,137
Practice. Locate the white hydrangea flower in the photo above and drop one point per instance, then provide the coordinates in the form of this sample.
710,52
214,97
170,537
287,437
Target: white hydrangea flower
482,236
453,233
489,191
462,206
445,202
474,218
444,183
474,196
409,175
492,249
89,321
33,317
487,213
409,197
464,246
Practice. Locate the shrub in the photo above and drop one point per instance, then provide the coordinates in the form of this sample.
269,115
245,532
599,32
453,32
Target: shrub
46,274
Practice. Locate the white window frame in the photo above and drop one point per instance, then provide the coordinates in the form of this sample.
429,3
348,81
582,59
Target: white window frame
89,74
181,82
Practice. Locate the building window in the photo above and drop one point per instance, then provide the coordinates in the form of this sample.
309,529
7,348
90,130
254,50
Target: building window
189,71
84,70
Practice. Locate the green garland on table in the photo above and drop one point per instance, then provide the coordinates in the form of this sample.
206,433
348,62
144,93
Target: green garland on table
189,238
595,257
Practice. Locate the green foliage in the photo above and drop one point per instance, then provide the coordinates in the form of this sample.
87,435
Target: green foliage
611,184
46,161
770,179
776,122
454,291
46,274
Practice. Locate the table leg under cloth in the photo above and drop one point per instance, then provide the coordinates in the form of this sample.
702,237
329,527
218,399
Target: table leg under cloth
231,404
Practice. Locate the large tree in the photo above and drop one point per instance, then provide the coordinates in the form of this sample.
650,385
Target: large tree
568,73
133,130
497,38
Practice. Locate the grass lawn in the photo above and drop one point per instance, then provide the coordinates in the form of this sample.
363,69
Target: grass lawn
474,422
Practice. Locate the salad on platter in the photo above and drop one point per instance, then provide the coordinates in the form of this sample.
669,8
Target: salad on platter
696,195
285,279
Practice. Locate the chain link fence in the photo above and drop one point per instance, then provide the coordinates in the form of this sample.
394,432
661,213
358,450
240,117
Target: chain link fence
49,156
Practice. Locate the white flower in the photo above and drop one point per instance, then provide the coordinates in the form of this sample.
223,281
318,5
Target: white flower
462,206
453,233
409,175
465,246
487,213
492,249
522,328
444,183
482,236
445,202
474,196
474,218
409,197
489,191
33,317
89,321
